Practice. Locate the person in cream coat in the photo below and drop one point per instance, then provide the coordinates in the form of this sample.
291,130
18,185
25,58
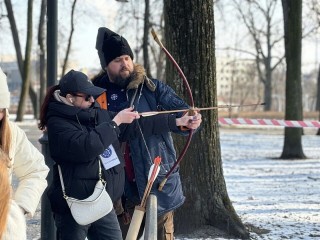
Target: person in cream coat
11,216
25,162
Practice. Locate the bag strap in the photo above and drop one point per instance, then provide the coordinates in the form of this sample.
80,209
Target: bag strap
62,183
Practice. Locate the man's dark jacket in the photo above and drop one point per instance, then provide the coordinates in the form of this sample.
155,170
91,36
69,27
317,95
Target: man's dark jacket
163,98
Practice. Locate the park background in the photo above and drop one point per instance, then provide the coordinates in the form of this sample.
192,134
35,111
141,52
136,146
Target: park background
244,63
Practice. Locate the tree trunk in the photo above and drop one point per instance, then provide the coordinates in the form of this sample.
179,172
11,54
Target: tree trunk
26,66
146,34
42,54
318,98
190,39
65,62
159,57
264,38
21,63
292,14
15,36
33,98
268,85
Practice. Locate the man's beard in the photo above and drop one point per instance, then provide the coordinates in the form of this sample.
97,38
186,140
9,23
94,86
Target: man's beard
122,81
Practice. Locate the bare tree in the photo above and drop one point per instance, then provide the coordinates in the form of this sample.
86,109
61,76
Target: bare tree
65,62
146,33
15,35
318,98
26,69
315,6
42,50
264,38
24,65
190,39
158,60
292,15
152,57
158,57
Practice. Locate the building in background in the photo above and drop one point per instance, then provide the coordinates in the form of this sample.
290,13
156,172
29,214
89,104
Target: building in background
237,81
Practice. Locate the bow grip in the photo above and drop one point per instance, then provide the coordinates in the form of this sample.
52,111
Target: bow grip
191,111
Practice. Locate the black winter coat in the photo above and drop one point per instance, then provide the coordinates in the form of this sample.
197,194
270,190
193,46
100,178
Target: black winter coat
76,139
163,98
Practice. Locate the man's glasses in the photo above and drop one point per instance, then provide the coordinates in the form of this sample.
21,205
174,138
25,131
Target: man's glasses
86,97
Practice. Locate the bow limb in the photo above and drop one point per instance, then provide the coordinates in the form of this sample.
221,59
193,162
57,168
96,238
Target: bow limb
191,110
185,81
183,152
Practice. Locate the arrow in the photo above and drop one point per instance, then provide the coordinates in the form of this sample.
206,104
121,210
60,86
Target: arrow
151,113
153,173
140,210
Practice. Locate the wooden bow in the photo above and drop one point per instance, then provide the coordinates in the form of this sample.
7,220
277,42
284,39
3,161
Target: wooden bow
191,112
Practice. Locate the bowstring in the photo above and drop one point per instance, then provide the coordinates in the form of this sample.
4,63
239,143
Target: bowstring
140,130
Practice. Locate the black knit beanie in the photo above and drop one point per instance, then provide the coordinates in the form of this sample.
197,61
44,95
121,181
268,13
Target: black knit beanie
111,45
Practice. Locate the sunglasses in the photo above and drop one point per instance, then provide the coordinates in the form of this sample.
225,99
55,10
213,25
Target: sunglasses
86,97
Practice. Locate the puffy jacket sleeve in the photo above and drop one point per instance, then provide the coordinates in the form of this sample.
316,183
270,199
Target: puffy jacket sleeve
156,124
167,99
30,169
16,224
68,143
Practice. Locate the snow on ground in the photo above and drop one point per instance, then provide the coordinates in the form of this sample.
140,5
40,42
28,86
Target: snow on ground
279,196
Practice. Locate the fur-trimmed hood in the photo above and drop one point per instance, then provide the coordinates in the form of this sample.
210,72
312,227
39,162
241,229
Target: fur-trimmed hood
138,77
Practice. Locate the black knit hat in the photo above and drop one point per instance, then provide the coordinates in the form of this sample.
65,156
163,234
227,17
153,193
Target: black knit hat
111,45
78,82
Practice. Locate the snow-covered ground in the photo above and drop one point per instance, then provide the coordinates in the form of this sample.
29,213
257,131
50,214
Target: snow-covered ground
281,197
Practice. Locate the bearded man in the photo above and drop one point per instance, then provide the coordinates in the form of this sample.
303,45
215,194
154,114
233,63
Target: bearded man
127,85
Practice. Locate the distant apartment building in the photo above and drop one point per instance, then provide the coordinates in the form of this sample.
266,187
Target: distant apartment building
309,90
237,81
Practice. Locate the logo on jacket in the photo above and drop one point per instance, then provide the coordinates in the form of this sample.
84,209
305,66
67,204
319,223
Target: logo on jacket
114,97
107,153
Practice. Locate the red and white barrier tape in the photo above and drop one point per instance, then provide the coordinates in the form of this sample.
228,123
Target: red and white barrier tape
269,122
